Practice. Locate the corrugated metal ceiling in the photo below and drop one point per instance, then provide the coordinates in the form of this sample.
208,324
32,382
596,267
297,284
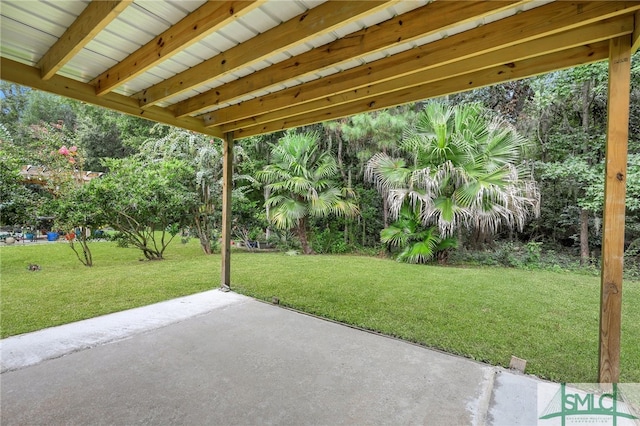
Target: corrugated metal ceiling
30,29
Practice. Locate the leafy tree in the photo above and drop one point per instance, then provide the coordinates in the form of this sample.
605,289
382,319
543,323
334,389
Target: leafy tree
76,209
146,201
302,183
461,170
567,116
419,244
18,203
204,157
14,98
78,214
99,136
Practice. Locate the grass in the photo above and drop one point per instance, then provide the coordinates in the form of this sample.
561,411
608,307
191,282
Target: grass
64,290
488,314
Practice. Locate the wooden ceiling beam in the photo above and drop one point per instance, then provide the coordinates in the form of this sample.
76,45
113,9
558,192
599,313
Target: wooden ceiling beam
540,22
30,76
429,19
208,18
635,39
319,20
562,41
93,19
495,75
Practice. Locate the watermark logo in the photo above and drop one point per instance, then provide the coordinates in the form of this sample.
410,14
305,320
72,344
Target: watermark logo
588,403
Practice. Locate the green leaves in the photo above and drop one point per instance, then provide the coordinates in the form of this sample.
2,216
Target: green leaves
302,182
418,244
464,171
139,197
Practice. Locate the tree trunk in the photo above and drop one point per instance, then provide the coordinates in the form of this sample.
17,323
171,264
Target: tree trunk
584,237
267,194
346,220
385,211
203,232
340,163
584,214
87,258
302,234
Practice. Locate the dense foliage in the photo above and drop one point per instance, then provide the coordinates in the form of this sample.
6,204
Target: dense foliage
472,165
460,169
301,181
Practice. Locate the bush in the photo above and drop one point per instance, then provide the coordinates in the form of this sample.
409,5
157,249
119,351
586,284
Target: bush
533,255
329,242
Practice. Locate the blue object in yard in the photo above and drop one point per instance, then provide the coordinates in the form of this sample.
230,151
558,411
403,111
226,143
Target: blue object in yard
29,236
52,236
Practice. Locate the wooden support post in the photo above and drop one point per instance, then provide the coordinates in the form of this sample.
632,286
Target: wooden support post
227,187
614,209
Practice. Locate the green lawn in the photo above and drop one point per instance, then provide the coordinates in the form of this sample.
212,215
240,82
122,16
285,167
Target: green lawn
549,319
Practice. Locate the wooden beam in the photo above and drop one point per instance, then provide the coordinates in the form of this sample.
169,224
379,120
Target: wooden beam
614,209
322,19
593,33
433,17
507,72
537,23
635,41
93,19
200,23
227,187
30,76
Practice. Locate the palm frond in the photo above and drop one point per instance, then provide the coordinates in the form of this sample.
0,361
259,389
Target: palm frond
287,213
386,173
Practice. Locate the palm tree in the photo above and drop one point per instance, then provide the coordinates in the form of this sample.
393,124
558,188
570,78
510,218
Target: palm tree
462,168
302,182
418,243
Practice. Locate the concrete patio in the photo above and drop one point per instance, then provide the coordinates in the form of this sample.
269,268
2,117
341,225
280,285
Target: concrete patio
222,358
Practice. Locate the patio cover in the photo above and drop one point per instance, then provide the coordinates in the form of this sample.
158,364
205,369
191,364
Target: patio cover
233,69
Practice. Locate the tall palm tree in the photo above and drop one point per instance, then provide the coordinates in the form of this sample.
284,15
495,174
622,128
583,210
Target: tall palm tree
302,182
462,168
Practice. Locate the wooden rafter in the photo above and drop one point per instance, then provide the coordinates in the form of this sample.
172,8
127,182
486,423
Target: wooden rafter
635,40
539,31
296,31
203,21
63,86
507,72
404,28
93,19
387,76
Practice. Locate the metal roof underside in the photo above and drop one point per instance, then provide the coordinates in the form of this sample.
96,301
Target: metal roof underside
254,67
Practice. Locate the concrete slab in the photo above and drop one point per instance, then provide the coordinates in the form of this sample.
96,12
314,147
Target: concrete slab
246,362
32,348
514,400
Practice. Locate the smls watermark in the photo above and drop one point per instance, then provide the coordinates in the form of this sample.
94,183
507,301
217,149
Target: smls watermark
589,404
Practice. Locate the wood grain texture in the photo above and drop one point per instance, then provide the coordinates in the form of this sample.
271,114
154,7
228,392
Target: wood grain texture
319,20
30,76
203,21
410,26
331,97
543,21
614,209
506,72
93,19
227,187
635,42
